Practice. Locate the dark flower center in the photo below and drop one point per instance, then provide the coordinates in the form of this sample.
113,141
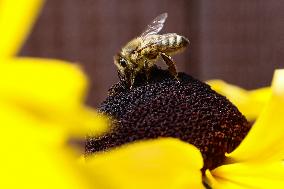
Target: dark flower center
189,110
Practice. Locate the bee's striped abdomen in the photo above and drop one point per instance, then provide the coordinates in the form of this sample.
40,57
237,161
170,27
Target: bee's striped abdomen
171,43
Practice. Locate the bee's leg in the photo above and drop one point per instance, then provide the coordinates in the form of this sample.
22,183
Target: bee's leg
132,80
171,65
147,71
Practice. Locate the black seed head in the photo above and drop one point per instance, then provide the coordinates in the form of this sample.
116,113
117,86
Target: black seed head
189,110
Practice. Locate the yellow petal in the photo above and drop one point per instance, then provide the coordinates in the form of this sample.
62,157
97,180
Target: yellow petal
41,103
250,103
50,89
162,163
33,155
44,82
265,141
247,175
16,20
217,183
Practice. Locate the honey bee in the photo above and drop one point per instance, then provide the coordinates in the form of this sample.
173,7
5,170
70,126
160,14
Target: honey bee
141,53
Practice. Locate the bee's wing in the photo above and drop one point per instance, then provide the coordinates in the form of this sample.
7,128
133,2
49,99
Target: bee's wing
155,26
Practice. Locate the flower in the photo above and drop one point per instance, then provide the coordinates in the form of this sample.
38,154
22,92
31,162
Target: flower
167,163
41,110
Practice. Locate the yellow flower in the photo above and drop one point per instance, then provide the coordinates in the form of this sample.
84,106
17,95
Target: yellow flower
170,163
41,110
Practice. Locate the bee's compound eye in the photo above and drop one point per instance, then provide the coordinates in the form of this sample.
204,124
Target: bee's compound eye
122,62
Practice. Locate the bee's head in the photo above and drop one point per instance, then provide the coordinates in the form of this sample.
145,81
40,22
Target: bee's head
124,67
